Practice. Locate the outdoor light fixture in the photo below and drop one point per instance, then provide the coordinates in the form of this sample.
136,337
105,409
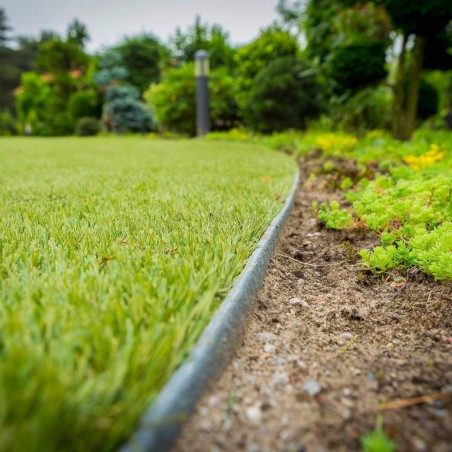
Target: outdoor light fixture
202,92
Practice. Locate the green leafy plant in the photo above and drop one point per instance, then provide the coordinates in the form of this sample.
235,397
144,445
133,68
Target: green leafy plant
86,127
333,216
377,440
284,95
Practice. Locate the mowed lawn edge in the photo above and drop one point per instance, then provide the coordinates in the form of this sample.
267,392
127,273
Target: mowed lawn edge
114,255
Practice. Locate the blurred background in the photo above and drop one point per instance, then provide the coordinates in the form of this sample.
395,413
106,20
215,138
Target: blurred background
91,67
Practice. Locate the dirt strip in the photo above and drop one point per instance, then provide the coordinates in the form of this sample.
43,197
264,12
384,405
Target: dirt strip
325,345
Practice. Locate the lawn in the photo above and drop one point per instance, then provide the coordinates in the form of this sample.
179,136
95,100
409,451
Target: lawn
114,254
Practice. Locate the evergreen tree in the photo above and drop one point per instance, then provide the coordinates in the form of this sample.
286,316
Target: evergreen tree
4,28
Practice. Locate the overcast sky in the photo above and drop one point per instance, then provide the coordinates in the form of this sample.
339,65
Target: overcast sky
109,20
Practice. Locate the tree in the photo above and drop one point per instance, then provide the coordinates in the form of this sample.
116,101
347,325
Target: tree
65,62
284,95
77,33
9,77
110,70
123,112
357,65
417,23
173,100
213,39
144,57
32,100
4,28
272,43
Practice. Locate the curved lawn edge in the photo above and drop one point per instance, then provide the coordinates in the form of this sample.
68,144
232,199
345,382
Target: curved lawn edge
162,422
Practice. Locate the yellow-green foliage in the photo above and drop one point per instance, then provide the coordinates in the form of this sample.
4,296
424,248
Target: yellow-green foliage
114,253
409,203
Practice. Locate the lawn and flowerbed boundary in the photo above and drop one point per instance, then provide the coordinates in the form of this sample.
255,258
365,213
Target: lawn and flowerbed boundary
162,422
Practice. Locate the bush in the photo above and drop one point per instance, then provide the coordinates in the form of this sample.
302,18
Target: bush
8,125
123,112
88,126
83,104
428,102
368,109
174,100
55,124
357,65
284,95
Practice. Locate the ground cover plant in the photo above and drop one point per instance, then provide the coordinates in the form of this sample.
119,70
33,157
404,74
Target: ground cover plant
407,201
114,254
400,190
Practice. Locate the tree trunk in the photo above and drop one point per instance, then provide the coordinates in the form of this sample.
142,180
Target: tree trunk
413,90
398,120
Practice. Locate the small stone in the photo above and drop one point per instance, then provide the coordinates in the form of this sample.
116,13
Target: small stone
266,336
213,401
280,379
440,413
347,392
395,341
437,403
347,335
312,387
269,348
313,234
446,389
347,402
298,301
205,425
419,445
277,361
371,376
253,448
346,415
227,424
253,413
390,346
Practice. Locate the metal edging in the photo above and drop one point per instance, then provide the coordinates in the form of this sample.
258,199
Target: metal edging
162,422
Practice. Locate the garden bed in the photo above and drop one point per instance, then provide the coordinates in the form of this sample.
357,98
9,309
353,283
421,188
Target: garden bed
331,346
114,255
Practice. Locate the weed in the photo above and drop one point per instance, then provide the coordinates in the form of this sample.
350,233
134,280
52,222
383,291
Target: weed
376,440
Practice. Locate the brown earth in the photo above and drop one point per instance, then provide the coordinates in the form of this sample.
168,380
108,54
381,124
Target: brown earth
326,344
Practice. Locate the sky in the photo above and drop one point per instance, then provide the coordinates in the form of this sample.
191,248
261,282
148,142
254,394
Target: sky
110,20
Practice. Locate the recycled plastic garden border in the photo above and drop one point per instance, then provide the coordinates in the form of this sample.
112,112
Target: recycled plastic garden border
162,422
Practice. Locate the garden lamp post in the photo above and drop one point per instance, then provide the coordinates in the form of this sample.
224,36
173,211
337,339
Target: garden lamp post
202,92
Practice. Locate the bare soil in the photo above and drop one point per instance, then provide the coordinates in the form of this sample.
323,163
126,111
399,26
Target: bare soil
327,344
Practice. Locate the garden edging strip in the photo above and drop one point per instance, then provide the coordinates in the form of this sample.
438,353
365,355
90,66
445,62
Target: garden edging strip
162,422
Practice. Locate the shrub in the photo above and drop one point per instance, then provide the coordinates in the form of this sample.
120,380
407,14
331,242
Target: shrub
87,126
83,104
123,112
428,100
8,125
174,100
368,109
357,65
283,95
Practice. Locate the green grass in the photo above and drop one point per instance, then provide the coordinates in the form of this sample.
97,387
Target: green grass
114,254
